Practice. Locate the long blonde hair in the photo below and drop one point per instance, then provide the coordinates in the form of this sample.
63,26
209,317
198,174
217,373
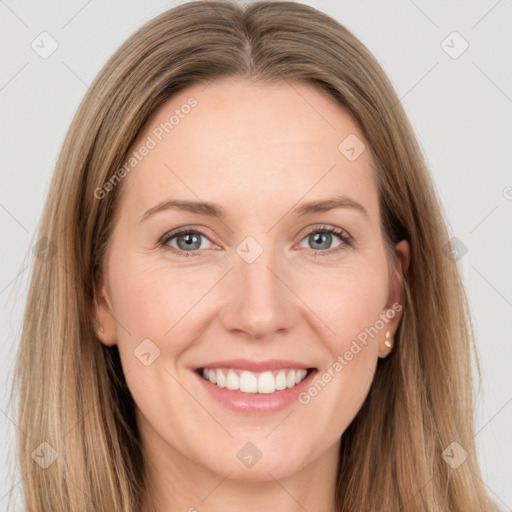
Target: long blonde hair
72,392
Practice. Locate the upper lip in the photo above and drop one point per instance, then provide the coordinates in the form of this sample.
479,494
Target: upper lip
256,366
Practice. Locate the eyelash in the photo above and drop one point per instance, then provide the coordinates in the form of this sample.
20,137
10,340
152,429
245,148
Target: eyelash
346,240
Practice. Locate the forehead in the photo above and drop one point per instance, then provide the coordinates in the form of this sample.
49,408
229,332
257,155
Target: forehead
242,143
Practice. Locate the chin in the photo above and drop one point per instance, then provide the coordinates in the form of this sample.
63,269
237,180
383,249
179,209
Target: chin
259,461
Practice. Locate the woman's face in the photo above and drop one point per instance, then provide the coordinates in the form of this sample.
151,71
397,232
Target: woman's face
256,288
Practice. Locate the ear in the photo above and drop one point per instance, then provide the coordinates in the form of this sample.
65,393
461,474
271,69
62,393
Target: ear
103,313
395,303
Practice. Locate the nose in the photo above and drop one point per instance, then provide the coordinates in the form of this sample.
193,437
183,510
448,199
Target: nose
260,304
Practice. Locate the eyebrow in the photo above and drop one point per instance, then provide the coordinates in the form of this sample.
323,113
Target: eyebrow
217,211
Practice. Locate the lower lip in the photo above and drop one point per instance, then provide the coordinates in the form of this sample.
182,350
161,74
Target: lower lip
255,403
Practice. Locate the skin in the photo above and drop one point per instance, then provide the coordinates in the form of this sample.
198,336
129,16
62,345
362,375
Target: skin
257,151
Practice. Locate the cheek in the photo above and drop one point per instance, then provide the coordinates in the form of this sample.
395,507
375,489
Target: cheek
349,301
351,306
151,303
153,329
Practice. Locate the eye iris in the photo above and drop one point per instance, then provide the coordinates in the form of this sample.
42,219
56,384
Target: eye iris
321,238
190,240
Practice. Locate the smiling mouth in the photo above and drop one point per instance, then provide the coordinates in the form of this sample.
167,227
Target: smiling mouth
245,381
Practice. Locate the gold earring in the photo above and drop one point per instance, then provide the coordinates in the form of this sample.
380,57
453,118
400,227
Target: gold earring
389,340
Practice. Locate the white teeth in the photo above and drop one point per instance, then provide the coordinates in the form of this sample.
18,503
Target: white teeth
232,380
249,382
290,380
210,375
266,383
281,381
221,380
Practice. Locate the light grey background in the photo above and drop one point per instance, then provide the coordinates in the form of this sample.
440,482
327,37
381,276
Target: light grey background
460,108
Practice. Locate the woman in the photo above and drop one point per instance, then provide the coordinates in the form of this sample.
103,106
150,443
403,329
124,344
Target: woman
264,369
